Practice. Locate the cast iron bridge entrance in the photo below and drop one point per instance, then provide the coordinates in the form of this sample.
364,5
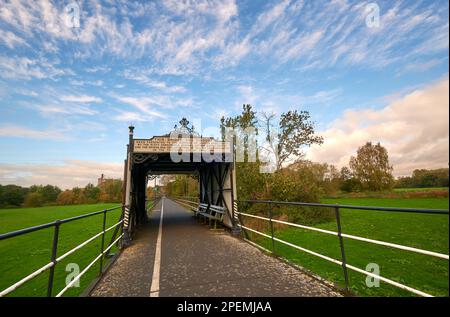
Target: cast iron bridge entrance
171,254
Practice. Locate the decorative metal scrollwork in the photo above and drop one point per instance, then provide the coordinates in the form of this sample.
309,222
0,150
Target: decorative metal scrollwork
139,158
195,176
151,177
184,129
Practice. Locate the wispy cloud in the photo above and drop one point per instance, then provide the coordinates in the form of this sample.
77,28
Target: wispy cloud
26,68
143,78
11,40
16,131
142,104
67,109
181,38
81,99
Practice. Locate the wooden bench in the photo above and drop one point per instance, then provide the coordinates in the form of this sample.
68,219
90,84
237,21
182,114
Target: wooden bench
212,213
199,209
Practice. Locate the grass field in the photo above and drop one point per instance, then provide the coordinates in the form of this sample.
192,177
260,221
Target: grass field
419,189
429,232
20,256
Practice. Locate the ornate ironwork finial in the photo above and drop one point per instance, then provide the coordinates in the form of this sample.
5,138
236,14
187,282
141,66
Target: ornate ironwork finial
184,128
184,123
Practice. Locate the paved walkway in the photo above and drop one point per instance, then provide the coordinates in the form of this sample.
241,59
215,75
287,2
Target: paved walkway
196,261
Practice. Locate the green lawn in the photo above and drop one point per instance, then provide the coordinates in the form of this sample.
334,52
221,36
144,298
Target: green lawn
419,189
20,256
423,231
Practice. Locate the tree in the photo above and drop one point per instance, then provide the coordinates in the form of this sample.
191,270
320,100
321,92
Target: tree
111,190
424,178
345,173
34,199
91,193
49,193
295,131
348,182
67,197
245,128
12,195
371,167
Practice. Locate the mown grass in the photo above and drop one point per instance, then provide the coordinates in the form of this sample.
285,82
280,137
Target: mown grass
20,256
419,189
425,231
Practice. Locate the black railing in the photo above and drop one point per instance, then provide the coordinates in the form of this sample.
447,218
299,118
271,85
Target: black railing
343,261
54,259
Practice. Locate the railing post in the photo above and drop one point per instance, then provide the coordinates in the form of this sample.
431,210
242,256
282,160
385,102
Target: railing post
53,258
103,241
120,242
341,243
271,227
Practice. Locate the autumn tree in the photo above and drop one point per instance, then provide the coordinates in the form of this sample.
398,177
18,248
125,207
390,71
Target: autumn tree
371,167
34,199
66,197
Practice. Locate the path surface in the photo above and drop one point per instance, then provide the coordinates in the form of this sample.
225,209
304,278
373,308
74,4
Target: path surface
196,261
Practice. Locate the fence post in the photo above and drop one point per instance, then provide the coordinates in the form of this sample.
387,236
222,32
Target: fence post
341,243
271,226
53,258
103,242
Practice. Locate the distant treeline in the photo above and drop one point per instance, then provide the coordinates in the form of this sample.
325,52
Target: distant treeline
424,178
38,195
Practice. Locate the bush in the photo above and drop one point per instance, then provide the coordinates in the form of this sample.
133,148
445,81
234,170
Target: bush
34,200
351,185
67,197
305,215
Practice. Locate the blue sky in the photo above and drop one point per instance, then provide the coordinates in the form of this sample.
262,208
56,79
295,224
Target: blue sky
69,93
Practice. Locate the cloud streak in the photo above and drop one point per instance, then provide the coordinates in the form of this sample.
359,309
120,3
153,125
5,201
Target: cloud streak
16,131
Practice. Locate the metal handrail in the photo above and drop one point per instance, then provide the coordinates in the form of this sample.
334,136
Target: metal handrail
54,259
392,245
342,235
51,224
418,210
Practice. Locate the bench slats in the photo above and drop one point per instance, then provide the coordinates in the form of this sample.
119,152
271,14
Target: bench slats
212,212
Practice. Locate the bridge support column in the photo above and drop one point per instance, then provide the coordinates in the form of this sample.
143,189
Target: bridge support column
127,223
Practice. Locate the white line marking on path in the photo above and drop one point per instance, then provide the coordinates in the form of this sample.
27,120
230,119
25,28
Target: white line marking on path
154,290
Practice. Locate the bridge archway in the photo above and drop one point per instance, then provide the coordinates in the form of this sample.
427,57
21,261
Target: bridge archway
180,152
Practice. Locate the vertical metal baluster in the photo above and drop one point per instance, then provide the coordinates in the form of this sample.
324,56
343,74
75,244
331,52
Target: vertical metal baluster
341,243
103,242
271,226
120,242
53,258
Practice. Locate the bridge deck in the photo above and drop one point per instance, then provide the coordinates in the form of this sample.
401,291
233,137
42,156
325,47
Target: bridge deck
196,261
